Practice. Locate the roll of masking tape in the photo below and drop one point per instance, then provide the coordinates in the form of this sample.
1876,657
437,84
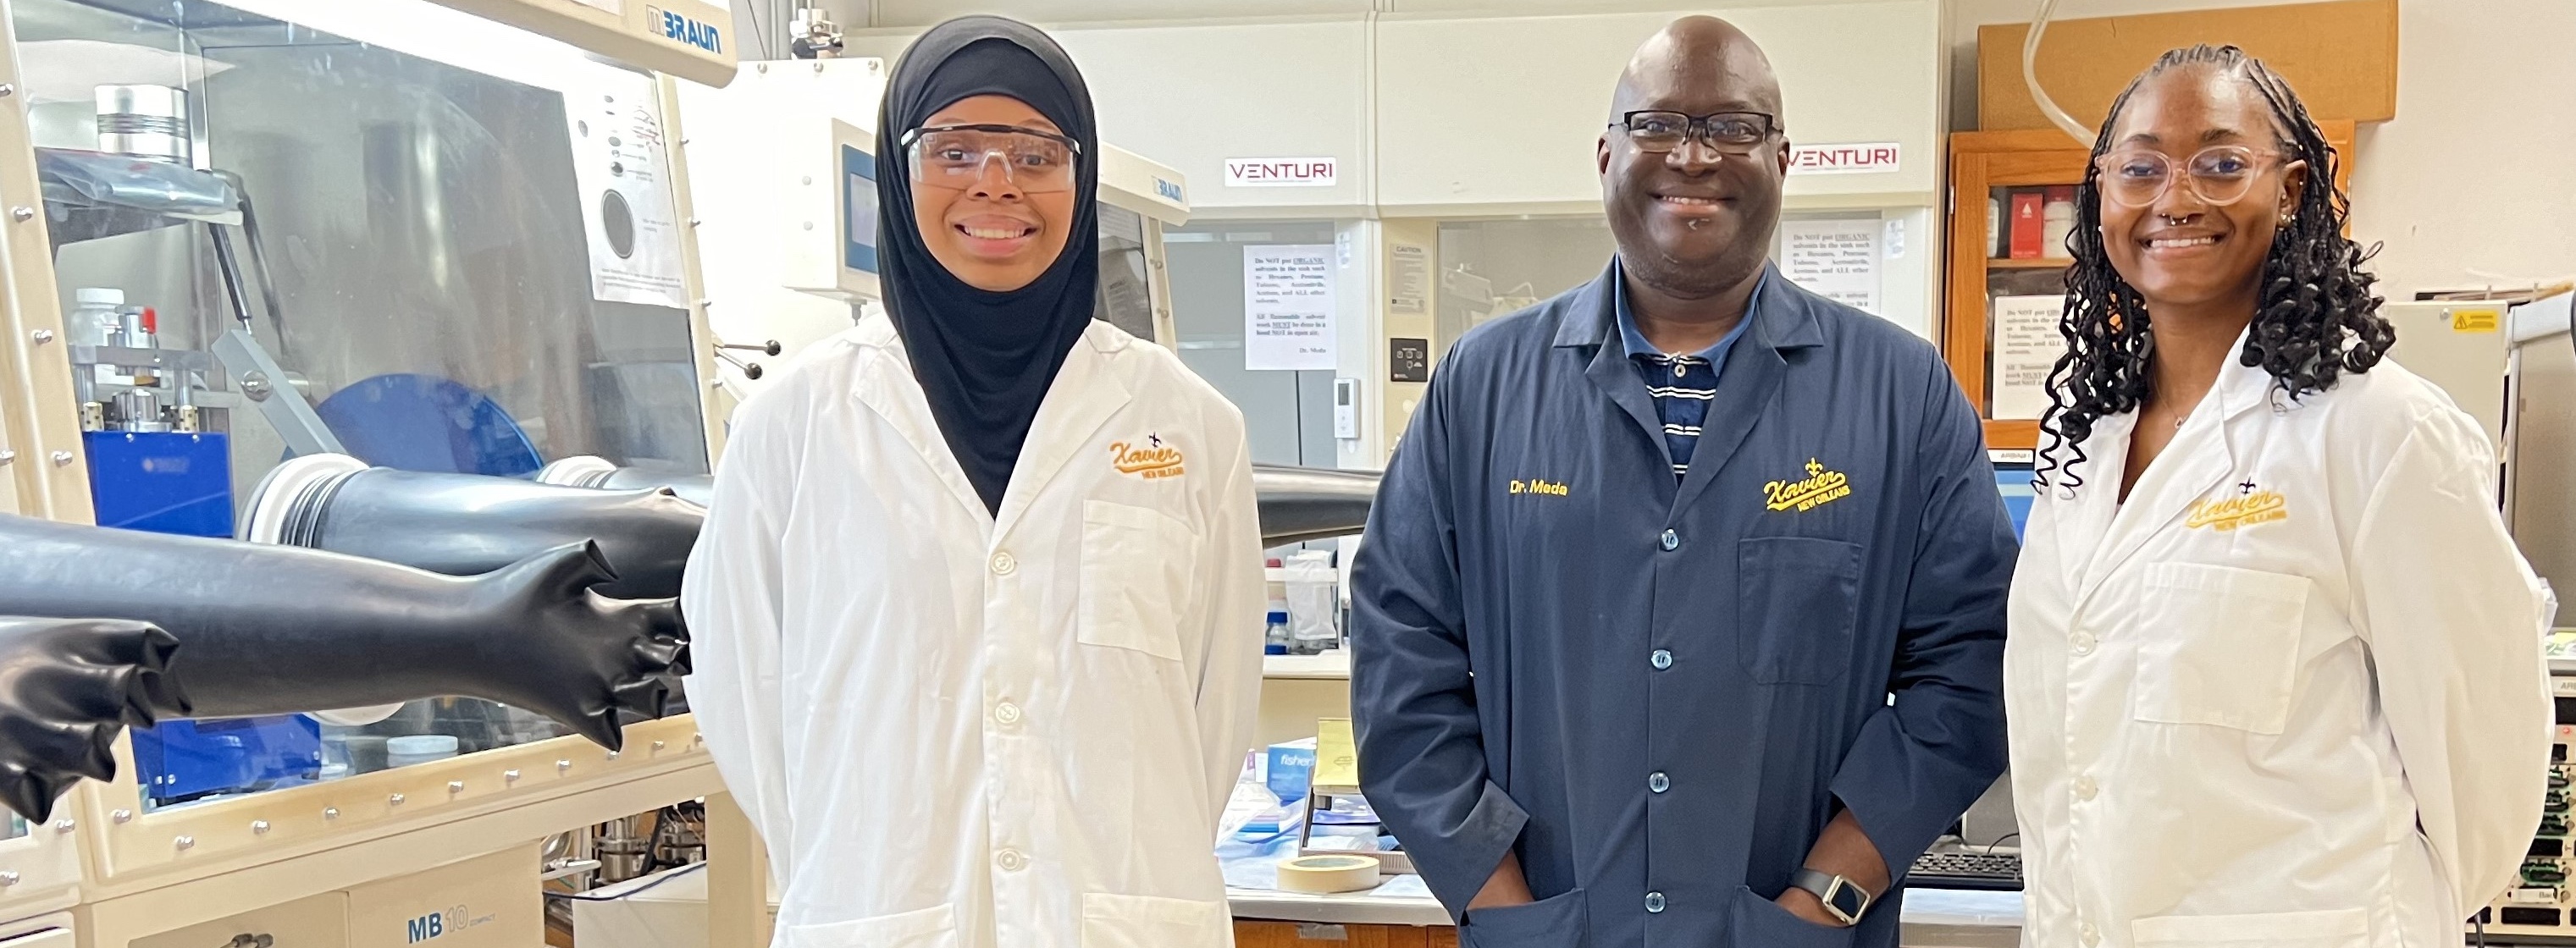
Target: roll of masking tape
1327,874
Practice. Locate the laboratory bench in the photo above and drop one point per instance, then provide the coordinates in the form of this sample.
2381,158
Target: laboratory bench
668,910
1934,918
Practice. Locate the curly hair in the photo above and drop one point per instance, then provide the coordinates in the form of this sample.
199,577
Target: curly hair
2315,320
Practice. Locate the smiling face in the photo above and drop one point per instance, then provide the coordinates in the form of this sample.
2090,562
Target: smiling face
2181,250
1693,222
988,232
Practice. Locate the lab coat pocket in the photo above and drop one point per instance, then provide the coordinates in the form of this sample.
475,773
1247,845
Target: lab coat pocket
1139,921
1135,565
2331,928
928,928
1801,598
2218,645
1558,921
1761,921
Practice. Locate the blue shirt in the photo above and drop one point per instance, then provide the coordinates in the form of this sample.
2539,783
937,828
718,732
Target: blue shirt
1657,692
1682,385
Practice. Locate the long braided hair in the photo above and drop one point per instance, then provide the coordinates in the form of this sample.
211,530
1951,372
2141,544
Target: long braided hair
2315,320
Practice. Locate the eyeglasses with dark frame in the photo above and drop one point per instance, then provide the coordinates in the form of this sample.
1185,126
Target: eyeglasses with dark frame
953,156
1659,131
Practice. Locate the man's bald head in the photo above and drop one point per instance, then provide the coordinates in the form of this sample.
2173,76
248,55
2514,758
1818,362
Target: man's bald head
1694,222
1697,65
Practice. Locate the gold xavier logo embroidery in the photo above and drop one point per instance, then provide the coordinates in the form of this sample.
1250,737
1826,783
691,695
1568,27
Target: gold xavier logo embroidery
1820,487
1152,460
2247,508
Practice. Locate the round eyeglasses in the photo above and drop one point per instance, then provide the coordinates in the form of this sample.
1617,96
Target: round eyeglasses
1657,131
954,156
2220,174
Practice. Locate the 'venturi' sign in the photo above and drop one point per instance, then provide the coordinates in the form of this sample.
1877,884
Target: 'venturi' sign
1278,172
1867,158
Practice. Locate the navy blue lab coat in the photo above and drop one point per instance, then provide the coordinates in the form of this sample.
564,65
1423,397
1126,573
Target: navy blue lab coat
1656,692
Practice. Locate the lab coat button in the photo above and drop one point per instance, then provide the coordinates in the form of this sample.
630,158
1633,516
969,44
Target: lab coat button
2085,788
1011,861
2083,643
2092,936
1654,903
1662,659
1672,541
1005,564
1007,713
1658,782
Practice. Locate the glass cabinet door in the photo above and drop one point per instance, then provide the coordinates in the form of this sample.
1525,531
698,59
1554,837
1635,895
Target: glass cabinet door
2012,208
2013,205
385,229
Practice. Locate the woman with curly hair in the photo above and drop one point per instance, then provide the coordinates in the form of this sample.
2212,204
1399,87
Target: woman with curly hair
2274,672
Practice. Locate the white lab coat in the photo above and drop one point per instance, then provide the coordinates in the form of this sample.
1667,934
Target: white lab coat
957,733
2292,693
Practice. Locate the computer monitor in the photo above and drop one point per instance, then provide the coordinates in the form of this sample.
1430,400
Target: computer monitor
2012,477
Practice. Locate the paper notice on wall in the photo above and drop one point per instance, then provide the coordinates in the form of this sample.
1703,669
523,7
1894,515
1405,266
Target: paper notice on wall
620,165
1408,279
1288,307
2026,346
1835,259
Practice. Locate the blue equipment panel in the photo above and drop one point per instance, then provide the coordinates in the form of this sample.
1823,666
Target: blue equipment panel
184,760
166,482
162,482
2014,481
858,210
426,423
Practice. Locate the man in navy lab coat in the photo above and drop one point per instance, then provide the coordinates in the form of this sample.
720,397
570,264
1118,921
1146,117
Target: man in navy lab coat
1652,559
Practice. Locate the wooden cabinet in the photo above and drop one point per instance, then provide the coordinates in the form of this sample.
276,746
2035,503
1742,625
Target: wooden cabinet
1987,171
1258,934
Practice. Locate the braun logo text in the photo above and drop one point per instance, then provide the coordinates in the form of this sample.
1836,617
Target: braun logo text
681,29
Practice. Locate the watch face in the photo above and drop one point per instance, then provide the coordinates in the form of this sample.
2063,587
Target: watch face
1850,901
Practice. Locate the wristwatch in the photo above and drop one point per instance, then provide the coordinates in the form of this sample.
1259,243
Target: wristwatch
1844,900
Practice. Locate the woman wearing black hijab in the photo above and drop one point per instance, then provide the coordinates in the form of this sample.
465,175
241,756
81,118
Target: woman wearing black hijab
976,613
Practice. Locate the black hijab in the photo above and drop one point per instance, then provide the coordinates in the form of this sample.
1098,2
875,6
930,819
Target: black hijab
985,359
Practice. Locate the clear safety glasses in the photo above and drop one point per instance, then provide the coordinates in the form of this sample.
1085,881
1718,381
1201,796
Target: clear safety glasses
1734,133
954,156
2220,174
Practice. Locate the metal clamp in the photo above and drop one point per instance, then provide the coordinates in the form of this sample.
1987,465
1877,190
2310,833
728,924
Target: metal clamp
567,868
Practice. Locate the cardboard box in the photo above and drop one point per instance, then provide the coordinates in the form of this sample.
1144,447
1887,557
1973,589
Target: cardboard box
1337,774
2340,57
2028,224
1290,772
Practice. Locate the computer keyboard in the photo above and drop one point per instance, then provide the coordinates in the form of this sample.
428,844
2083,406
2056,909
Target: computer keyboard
1993,872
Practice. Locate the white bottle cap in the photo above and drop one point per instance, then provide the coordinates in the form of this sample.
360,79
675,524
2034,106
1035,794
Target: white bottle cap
422,745
96,296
